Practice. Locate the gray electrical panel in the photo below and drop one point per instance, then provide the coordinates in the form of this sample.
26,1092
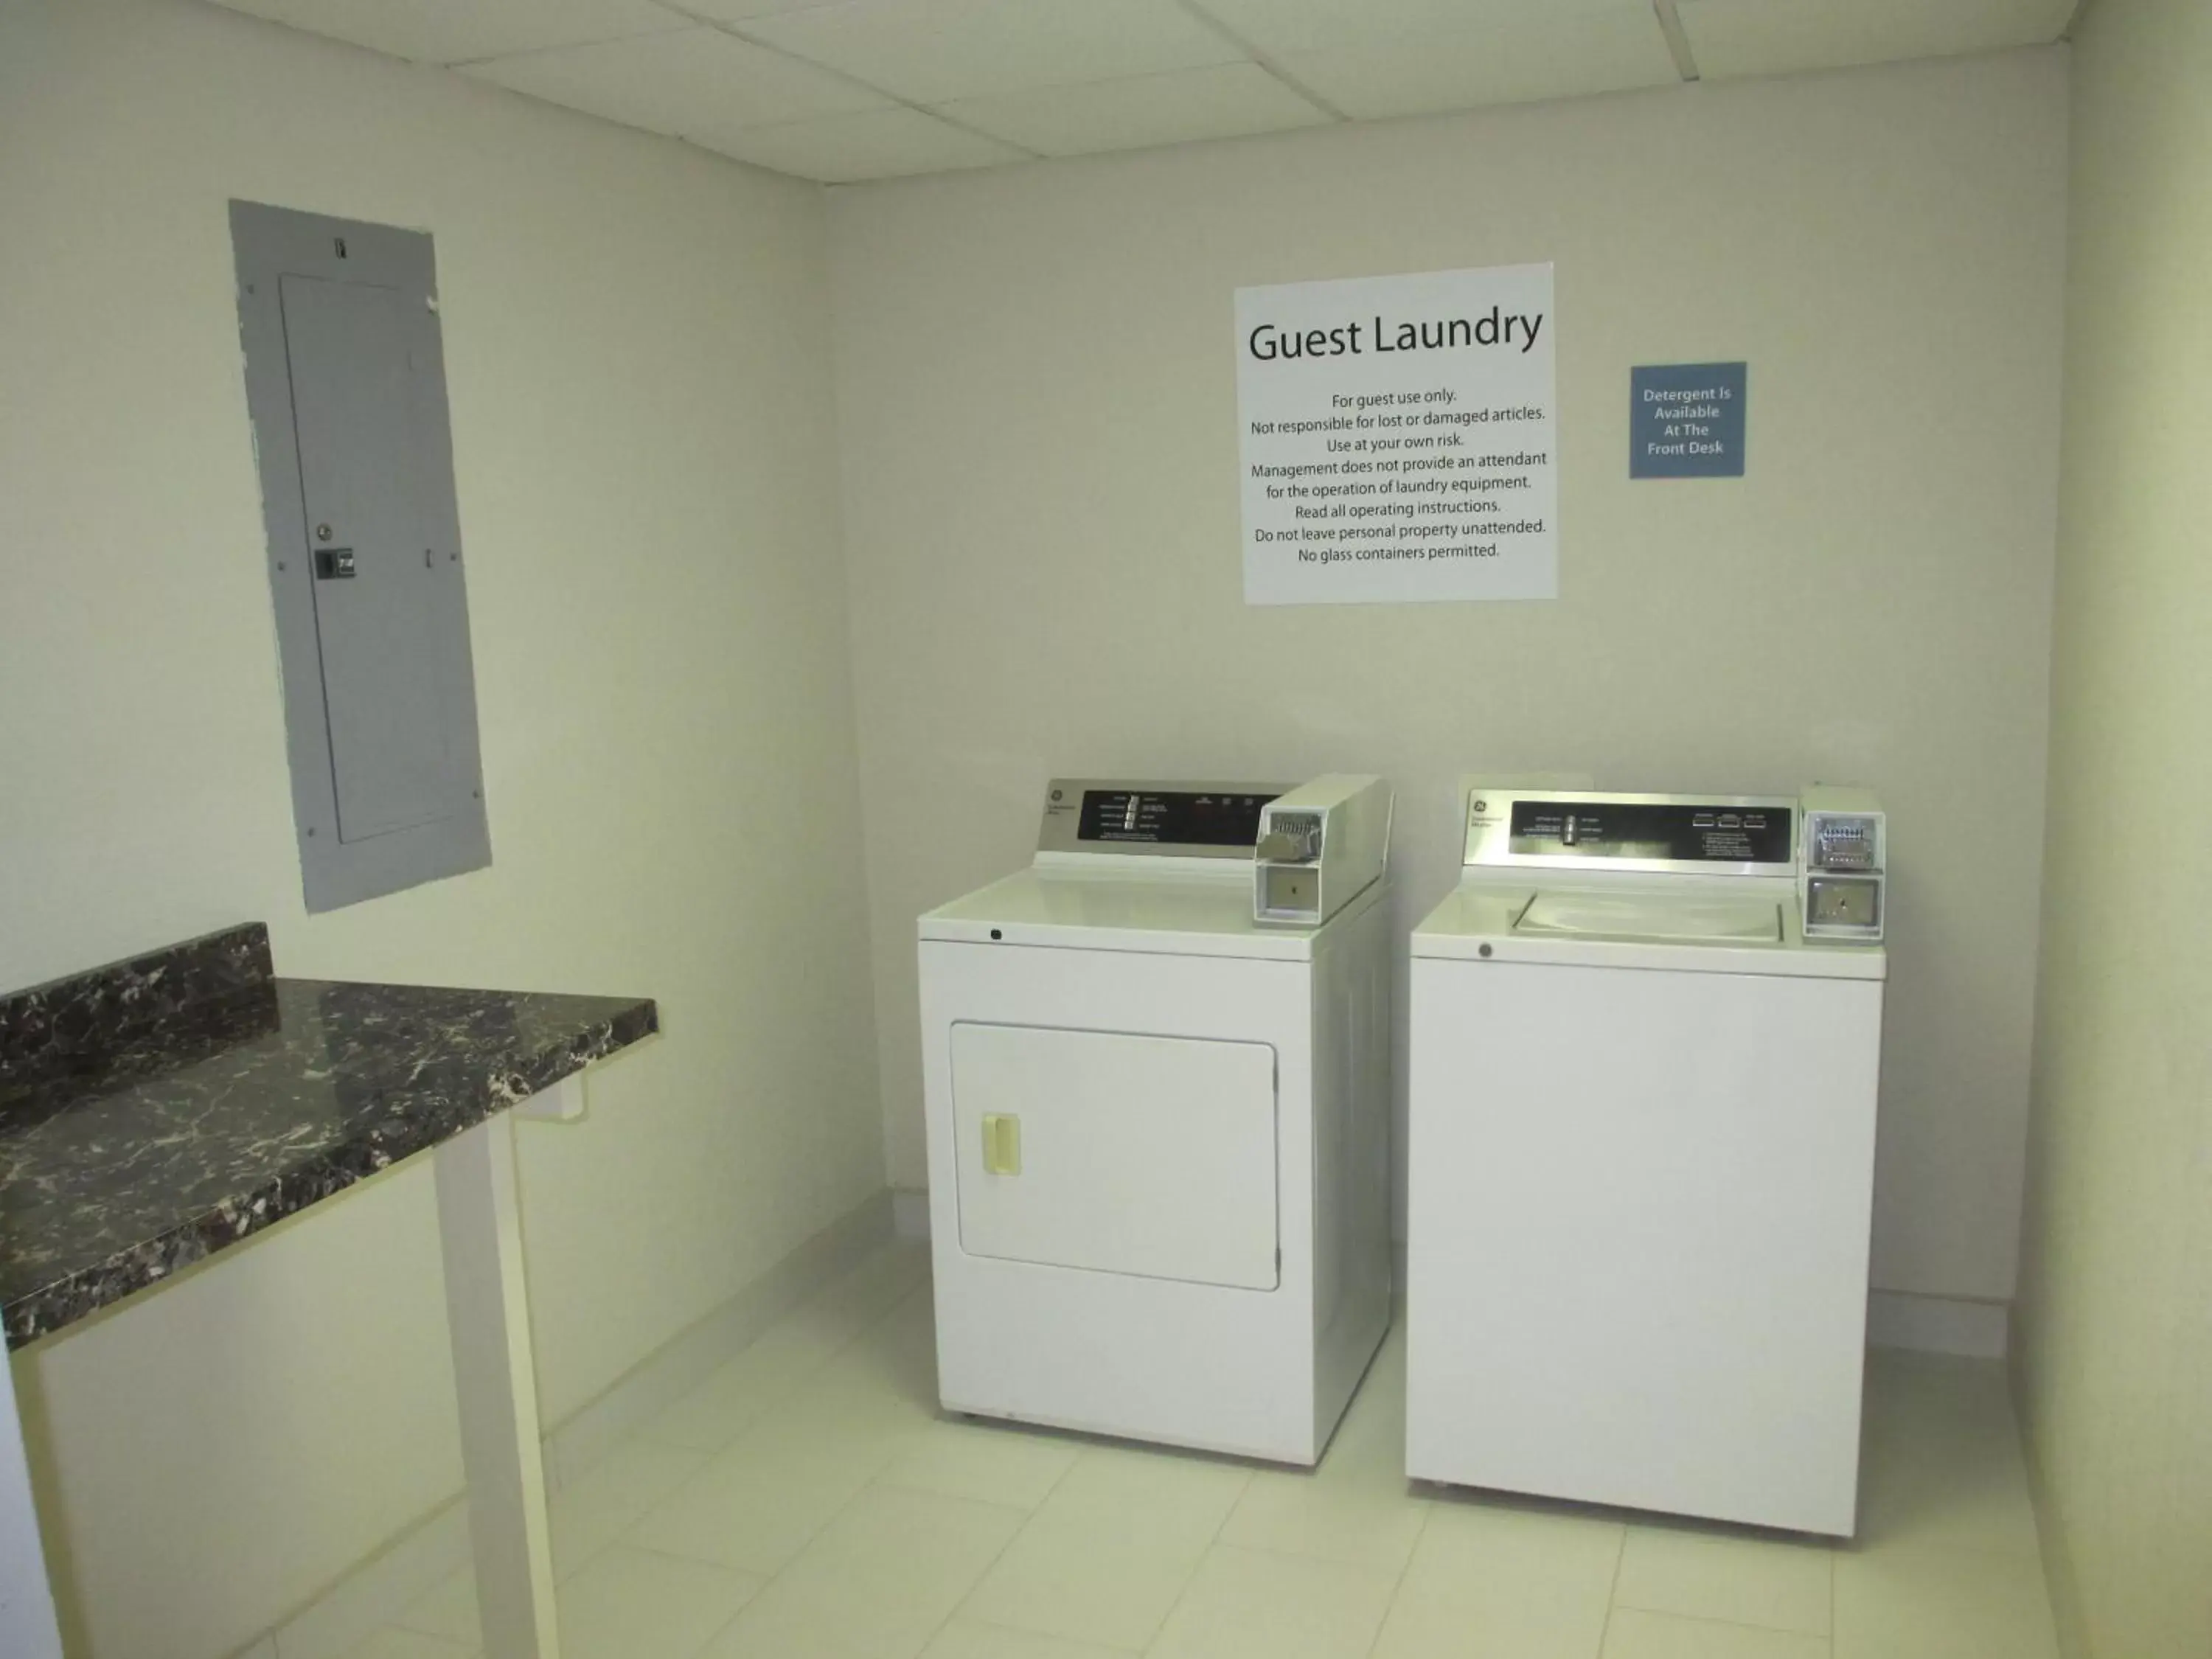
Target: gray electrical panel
345,382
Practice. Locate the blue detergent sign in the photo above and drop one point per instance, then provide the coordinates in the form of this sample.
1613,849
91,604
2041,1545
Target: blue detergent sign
1685,420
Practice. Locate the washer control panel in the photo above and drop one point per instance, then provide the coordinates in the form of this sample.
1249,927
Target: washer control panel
1692,832
1587,829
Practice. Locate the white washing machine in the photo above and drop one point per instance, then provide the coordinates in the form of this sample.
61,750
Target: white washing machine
1157,1079
1641,1144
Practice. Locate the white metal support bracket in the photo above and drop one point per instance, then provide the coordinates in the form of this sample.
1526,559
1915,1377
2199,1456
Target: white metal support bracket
480,1226
28,1627
562,1103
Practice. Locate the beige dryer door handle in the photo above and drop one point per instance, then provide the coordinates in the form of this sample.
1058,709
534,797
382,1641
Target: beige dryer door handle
1002,1144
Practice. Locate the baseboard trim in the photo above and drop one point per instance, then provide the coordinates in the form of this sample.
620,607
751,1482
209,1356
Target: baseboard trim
910,1212
2063,1587
1937,1324
403,1570
1895,1319
680,1364
413,1563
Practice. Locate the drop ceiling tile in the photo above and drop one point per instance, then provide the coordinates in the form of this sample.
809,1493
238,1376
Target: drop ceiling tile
932,51
1495,54
698,84
1773,37
1276,26
1220,101
740,12
457,31
884,143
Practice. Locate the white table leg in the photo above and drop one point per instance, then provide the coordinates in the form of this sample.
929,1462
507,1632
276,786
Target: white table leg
27,1630
481,1228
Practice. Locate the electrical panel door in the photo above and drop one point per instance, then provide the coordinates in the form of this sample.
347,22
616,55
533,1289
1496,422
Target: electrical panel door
345,382
378,582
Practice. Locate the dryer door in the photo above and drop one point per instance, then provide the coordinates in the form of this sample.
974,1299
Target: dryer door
1145,1155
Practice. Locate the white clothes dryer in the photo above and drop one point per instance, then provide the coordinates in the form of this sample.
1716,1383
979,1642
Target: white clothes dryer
1641,1143
1158,1120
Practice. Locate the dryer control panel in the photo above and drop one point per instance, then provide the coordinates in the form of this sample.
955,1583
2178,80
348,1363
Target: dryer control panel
1137,817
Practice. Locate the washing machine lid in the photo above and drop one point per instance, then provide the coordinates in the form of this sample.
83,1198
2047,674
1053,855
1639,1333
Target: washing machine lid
1755,921
1748,927
1203,915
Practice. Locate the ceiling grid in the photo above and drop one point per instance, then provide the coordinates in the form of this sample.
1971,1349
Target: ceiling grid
846,90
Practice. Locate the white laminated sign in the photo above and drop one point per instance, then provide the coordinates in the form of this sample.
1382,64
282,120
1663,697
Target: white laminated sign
1397,438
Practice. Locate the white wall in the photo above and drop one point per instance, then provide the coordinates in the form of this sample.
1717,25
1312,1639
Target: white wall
2115,1357
1038,436
637,343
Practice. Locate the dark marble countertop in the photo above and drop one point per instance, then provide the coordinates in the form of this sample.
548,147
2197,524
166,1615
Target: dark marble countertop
155,1111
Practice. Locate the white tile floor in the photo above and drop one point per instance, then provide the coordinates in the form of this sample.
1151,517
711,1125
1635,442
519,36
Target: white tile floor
807,1502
